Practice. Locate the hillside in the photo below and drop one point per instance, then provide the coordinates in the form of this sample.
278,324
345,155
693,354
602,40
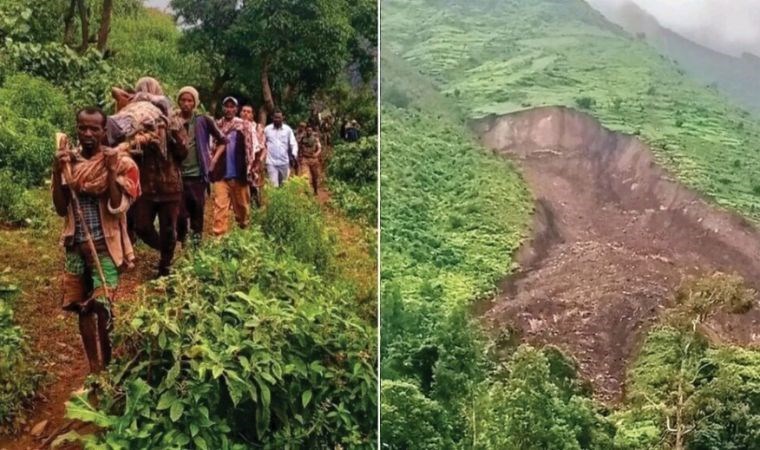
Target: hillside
598,337
501,57
736,77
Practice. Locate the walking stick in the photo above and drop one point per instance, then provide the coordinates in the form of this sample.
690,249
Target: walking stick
77,207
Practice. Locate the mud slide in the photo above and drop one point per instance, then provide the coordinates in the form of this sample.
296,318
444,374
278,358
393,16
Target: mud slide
613,235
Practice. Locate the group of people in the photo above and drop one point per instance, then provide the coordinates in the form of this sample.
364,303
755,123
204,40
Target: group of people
112,186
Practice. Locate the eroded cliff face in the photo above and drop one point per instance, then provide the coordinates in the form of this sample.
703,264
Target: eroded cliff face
614,235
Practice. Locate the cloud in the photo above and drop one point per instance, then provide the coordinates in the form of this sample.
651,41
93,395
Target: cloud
727,26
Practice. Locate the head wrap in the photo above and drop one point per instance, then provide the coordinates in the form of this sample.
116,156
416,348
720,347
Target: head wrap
192,91
149,85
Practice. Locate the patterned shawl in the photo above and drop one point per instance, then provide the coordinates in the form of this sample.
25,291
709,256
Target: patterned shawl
91,175
251,142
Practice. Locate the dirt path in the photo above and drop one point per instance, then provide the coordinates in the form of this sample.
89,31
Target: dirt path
54,336
613,235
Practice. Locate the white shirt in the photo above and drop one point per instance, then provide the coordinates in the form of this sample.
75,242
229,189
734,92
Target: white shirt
280,142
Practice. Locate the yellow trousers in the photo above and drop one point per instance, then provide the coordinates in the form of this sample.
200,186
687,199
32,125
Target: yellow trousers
230,194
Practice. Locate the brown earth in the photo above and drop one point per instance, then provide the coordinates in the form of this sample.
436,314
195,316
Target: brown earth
613,235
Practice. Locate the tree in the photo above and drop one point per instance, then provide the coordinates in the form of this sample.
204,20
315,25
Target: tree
676,376
411,420
105,25
541,405
295,46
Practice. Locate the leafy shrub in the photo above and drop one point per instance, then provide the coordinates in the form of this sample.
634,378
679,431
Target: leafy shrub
395,96
537,406
17,205
405,408
86,78
31,111
355,162
585,102
35,98
247,347
357,202
352,176
18,378
293,220
147,43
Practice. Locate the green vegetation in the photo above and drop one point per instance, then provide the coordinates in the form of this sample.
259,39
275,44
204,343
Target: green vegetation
686,389
252,343
449,212
19,380
445,383
499,57
290,324
352,178
246,43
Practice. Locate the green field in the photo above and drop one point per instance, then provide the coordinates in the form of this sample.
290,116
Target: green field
503,56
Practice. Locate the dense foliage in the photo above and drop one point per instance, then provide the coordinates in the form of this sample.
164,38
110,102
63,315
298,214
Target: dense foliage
352,178
449,212
250,345
18,378
278,53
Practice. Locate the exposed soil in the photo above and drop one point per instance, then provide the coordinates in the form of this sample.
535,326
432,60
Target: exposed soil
613,236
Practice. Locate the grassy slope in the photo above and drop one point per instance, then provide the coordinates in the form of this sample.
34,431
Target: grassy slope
502,56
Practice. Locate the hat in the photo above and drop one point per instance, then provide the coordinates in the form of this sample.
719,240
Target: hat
230,99
192,91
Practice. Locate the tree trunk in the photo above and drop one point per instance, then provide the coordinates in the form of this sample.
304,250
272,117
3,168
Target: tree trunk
105,25
68,21
84,16
266,89
216,90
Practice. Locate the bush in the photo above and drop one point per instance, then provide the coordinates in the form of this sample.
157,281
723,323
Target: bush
31,111
537,406
405,408
34,98
357,202
293,220
355,162
352,176
397,97
248,347
18,379
17,205
147,43
585,102
86,79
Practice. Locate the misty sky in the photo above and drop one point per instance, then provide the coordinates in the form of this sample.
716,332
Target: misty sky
730,26
157,3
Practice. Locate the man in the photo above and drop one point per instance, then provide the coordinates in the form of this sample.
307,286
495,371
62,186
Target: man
105,183
230,168
247,114
281,149
352,131
309,151
300,131
161,182
195,168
